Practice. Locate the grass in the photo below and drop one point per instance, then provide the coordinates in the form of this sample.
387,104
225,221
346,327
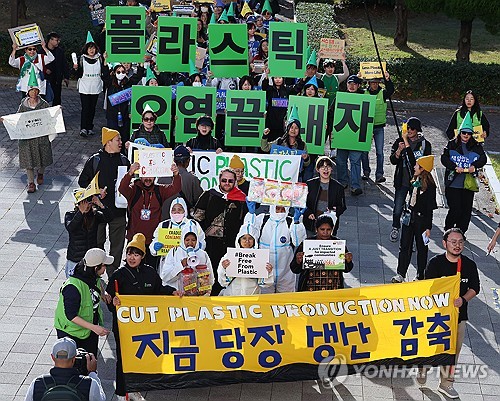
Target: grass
495,161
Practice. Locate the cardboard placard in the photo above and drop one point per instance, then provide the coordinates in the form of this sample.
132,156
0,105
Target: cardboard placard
371,69
170,238
324,255
36,123
155,162
248,263
200,57
26,35
332,48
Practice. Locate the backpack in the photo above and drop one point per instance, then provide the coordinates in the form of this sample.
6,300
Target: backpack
62,392
96,159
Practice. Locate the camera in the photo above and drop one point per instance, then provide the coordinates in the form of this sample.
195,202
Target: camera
81,362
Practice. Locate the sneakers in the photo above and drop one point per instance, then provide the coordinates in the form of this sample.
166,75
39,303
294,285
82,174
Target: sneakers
356,192
90,132
136,397
84,133
394,235
448,390
422,376
121,398
380,180
365,176
398,278
31,188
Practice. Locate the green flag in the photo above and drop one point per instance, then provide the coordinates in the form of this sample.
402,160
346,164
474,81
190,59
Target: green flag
287,49
229,50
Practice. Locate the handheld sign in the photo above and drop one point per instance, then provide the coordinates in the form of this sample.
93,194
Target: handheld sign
170,238
228,50
156,97
371,69
120,97
332,48
155,162
97,12
36,123
176,43
287,49
26,35
325,255
248,263
280,193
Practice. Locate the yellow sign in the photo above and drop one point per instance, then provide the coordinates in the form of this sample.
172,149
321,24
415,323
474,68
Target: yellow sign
160,6
478,133
258,334
170,238
371,69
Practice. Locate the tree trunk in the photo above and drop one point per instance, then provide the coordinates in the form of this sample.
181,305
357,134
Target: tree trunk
401,35
22,9
464,41
14,21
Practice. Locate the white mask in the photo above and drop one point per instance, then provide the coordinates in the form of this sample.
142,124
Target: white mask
197,83
177,217
120,76
280,216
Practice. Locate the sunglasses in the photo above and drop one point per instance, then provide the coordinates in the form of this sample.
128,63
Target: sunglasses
227,180
31,49
149,119
120,71
466,133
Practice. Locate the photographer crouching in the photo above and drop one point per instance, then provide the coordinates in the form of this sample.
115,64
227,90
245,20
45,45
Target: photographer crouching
65,381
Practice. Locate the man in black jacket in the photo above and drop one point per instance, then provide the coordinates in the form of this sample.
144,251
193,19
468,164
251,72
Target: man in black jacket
106,163
64,373
57,70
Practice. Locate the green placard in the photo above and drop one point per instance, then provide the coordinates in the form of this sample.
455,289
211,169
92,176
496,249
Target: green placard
287,49
312,115
228,50
176,43
353,121
159,99
192,102
125,34
245,120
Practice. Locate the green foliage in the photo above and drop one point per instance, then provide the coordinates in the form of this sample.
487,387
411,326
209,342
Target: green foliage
320,22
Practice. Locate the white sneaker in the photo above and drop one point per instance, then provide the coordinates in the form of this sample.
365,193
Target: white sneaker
121,398
448,391
398,278
136,397
394,235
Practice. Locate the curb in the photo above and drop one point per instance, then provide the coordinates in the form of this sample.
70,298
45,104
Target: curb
493,180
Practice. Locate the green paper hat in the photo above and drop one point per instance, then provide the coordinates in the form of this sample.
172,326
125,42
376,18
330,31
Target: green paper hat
32,82
213,20
294,114
267,7
466,125
192,68
308,52
230,10
89,38
313,59
149,75
223,17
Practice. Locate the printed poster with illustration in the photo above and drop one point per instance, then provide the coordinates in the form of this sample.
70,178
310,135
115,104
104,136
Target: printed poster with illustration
280,193
324,255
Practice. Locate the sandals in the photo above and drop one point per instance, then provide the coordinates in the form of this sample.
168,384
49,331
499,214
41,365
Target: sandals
31,187
39,179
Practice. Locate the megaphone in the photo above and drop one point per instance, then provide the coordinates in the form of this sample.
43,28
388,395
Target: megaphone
192,259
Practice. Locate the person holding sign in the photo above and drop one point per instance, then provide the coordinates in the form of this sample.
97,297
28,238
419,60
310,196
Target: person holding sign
461,157
145,200
25,63
470,103
332,279
247,238
149,130
204,140
418,226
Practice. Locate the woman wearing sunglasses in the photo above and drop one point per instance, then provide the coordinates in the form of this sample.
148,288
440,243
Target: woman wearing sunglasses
24,63
149,130
461,157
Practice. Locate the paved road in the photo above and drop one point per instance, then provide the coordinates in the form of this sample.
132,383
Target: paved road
33,244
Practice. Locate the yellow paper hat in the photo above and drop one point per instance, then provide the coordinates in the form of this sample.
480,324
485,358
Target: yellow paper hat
426,162
236,162
108,134
246,9
139,242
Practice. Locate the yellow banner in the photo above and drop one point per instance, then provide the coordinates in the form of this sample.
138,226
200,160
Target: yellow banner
171,335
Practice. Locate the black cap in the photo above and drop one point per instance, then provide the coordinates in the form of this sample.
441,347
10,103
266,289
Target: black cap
354,79
414,123
205,120
181,153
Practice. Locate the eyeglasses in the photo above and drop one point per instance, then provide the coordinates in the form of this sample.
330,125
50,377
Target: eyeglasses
460,242
325,167
31,49
149,119
227,180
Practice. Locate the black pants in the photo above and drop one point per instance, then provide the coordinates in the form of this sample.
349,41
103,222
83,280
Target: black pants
121,388
89,103
89,344
216,249
408,234
460,208
56,86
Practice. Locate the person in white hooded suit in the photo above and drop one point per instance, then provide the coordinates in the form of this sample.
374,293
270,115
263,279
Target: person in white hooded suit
247,237
280,233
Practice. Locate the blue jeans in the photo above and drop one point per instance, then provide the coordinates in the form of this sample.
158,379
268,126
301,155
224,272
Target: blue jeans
399,201
354,157
378,137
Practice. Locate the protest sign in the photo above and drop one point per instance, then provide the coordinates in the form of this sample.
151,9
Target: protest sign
280,193
170,238
205,341
120,97
176,43
36,123
245,121
287,52
332,48
192,102
353,121
326,255
312,115
26,35
152,44
228,50
283,150
371,69
97,12
158,98
160,6
200,57
478,133
463,161
207,166
220,101
125,34
155,162
120,200
248,263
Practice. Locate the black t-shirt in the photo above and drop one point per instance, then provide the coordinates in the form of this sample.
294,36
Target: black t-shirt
440,266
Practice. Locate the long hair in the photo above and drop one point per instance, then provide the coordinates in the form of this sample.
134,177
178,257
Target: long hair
476,108
469,145
426,179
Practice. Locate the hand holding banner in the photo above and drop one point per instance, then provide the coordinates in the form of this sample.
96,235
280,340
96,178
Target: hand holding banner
36,123
155,162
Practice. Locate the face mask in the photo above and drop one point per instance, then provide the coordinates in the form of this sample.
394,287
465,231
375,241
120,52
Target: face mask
177,217
280,216
120,76
197,84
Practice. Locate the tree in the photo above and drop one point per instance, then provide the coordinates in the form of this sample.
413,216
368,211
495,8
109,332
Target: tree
465,11
401,35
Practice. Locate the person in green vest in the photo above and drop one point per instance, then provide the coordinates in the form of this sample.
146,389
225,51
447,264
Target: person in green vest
78,313
470,103
382,95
